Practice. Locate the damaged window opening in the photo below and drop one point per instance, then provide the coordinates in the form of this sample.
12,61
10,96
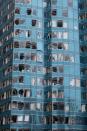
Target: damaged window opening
29,11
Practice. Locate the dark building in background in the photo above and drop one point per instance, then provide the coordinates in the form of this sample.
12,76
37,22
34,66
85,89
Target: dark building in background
40,88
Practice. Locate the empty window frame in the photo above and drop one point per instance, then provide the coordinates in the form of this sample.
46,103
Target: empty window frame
17,10
21,79
34,22
14,92
28,44
21,67
33,56
16,44
58,80
58,106
21,56
34,45
29,11
19,21
59,23
54,12
27,93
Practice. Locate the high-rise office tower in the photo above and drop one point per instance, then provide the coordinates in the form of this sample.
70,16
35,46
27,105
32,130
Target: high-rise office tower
40,66
83,58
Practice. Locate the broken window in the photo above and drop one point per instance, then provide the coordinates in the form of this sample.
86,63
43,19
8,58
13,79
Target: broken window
20,105
19,21
33,56
54,81
14,119
21,92
60,94
54,57
54,94
28,44
14,92
58,80
21,67
60,46
60,57
54,69
17,10
17,31
55,106
16,44
27,106
21,79
59,23
34,46
66,58
34,22
21,56
54,12
27,67
27,93
28,33
29,11
15,68
54,45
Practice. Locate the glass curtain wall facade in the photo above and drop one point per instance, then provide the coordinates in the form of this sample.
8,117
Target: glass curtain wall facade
40,66
83,58
62,66
6,60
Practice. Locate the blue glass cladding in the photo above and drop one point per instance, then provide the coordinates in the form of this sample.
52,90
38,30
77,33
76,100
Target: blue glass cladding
45,91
